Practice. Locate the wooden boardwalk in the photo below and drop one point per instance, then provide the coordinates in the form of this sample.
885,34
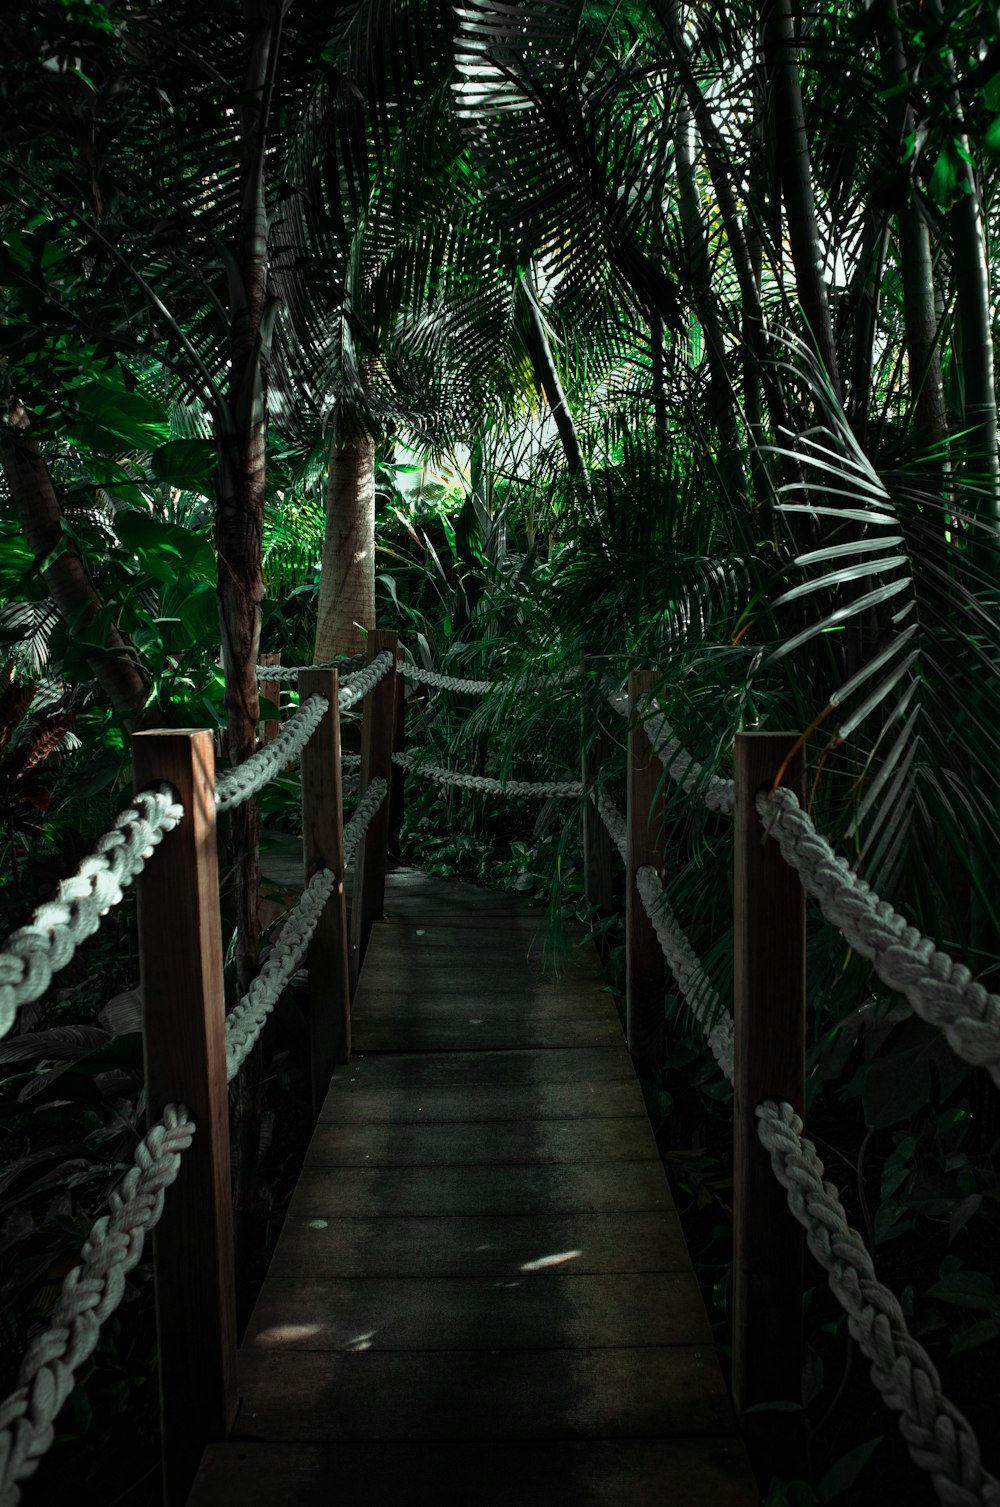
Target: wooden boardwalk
481,1296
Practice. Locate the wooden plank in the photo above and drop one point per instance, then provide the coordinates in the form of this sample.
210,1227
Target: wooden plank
508,965
770,1025
479,1250
560,1473
487,1032
438,947
184,1047
480,1143
533,934
323,848
351,1104
545,1311
424,1002
645,969
369,1192
478,1245
496,984
554,1065
512,1395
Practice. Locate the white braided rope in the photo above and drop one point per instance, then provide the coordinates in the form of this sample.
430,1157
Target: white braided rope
483,687
247,1019
939,990
683,768
939,1438
444,682
715,793
350,761
358,825
35,952
90,1293
356,687
612,819
234,786
693,982
439,775
284,673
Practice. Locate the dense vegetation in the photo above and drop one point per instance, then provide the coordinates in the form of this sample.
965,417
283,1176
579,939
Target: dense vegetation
657,334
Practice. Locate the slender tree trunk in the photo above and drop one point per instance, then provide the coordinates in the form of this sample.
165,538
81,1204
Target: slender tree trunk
241,434
547,378
737,240
65,574
696,248
920,315
347,580
797,184
863,302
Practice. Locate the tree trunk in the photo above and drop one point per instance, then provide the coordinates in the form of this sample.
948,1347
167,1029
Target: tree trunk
920,318
797,184
241,432
347,579
723,396
745,265
981,462
547,378
65,574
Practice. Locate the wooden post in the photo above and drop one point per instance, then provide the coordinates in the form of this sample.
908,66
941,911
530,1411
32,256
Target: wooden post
598,849
645,969
376,764
323,848
397,785
770,1012
270,690
180,947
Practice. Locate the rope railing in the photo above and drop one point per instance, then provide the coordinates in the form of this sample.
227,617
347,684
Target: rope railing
460,780
613,820
441,682
248,1018
939,1437
283,674
32,955
693,982
359,823
90,1294
356,687
234,786
940,991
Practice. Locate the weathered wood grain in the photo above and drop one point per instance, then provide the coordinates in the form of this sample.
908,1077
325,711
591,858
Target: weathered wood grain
769,948
184,1047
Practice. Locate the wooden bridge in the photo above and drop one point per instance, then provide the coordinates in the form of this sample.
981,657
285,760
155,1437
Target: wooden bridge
481,1292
